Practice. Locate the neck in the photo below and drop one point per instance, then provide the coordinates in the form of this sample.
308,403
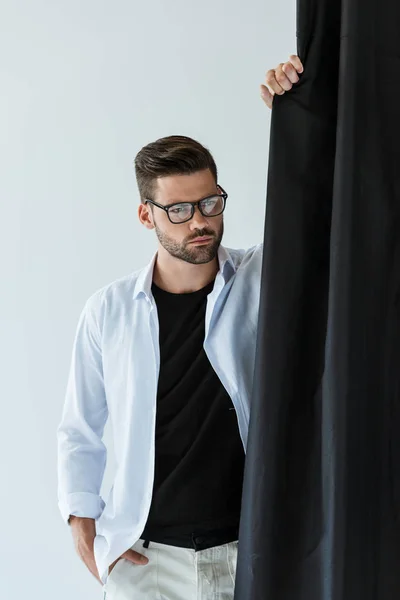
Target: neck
179,277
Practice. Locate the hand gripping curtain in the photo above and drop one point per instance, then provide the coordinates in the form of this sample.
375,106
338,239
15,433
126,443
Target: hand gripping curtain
321,496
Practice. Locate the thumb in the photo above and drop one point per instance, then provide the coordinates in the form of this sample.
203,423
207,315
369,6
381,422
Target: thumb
266,95
135,557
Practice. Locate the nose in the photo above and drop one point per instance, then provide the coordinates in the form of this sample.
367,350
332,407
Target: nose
198,221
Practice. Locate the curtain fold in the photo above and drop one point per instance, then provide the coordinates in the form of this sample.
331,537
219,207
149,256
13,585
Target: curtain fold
321,495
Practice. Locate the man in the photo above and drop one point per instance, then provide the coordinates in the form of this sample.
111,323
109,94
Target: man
168,353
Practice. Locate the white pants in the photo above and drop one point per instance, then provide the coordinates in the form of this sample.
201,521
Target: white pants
175,574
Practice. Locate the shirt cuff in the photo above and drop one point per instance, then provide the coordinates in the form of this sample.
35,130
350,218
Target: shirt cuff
81,504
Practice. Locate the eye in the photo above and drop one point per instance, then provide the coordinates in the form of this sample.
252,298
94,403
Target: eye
179,209
212,206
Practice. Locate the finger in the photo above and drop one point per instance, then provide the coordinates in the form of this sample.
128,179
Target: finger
296,62
135,557
282,78
267,96
272,83
290,72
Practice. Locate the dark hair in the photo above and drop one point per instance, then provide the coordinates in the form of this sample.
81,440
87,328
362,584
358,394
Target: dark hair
173,155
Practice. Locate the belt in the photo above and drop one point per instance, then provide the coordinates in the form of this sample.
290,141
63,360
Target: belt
196,541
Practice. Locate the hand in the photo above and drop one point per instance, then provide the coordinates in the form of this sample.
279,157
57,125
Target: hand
281,80
135,557
84,532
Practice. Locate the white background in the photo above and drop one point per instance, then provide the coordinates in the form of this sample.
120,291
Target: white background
84,85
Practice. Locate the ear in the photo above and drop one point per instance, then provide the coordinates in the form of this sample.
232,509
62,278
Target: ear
146,216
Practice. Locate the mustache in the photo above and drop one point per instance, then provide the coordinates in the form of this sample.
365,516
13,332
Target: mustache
201,233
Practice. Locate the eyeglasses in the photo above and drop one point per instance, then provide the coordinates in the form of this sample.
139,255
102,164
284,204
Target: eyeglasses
180,212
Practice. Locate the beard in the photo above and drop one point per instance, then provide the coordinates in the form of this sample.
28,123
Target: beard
195,255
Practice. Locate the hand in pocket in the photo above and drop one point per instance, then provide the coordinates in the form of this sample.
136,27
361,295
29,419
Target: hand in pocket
134,557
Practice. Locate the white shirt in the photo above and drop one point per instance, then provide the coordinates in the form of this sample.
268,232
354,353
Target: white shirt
114,372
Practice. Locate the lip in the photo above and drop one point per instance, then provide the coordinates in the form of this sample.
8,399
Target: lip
201,240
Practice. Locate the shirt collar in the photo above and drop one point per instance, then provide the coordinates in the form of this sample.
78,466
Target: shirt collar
145,279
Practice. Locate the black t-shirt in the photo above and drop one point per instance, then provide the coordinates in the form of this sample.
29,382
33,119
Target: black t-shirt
199,455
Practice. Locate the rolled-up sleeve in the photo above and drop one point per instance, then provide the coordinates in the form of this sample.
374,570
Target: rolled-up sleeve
82,454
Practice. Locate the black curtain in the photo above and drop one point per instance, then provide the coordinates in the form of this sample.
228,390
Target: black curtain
321,496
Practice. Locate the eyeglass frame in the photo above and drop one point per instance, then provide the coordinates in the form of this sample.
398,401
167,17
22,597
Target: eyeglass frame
166,208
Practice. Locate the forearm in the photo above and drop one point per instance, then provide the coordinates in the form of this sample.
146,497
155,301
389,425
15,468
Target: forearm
82,529
82,521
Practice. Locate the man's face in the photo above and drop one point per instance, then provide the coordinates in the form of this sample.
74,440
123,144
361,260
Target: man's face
181,240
